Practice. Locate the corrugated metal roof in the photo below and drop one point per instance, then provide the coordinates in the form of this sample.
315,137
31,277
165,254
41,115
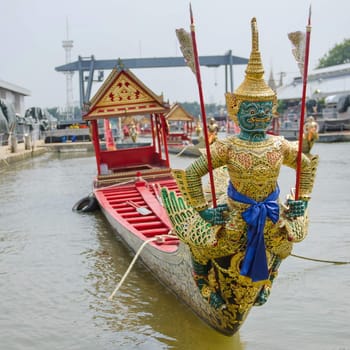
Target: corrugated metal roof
15,88
321,82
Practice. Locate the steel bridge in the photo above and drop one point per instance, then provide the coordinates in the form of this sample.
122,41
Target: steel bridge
86,66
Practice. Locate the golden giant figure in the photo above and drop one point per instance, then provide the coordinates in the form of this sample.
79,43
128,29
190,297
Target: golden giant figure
238,246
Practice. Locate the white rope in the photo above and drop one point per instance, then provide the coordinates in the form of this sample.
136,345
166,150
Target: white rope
133,263
320,260
182,151
5,161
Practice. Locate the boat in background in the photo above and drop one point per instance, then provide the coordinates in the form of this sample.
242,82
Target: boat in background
333,120
180,128
127,189
192,148
335,116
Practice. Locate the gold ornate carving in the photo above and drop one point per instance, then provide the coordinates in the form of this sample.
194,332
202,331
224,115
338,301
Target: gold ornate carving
253,169
124,91
254,87
186,47
123,94
298,40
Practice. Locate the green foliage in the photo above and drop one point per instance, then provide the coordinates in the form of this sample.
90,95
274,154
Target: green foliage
212,109
281,106
77,112
194,108
339,54
54,111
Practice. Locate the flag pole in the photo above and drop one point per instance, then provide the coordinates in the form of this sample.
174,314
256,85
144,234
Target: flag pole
202,106
303,103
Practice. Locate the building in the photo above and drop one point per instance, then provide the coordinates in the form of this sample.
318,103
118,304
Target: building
14,95
323,82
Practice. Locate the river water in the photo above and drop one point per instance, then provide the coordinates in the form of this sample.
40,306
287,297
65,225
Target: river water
57,269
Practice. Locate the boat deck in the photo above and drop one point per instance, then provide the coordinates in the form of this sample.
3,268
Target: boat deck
146,195
129,173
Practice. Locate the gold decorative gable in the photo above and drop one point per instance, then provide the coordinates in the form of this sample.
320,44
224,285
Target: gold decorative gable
177,112
123,94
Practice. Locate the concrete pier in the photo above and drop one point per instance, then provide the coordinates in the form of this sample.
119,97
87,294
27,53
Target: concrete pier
7,157
330,137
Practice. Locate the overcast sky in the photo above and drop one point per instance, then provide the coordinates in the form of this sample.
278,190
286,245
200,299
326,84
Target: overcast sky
33,30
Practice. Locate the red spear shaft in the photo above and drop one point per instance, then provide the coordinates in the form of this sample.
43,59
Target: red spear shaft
303,100
204,117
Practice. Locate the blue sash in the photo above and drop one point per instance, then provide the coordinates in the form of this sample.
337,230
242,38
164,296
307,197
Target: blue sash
255,263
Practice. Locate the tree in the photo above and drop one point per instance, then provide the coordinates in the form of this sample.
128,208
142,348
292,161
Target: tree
192,108
339,54
54,111
195,110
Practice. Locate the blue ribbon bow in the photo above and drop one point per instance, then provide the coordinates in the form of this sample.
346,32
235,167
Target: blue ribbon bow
255,262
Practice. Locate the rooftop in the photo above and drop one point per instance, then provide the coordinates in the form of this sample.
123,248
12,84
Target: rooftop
321,83
15,88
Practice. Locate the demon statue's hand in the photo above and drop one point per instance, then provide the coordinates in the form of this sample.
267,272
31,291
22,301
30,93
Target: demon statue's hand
296,208
215,216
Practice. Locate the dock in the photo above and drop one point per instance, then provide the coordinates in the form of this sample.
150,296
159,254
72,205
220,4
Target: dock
329,137
324,137
7,157
65,147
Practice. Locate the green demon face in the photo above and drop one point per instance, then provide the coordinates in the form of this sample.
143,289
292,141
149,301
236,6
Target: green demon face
255,116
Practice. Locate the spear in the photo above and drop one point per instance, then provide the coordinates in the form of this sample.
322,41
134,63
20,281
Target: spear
189,50
303,65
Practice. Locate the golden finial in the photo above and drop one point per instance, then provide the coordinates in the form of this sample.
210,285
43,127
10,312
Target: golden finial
255,35
254,87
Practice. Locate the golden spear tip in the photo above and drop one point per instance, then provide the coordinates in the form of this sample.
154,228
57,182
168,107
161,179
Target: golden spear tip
191,14
309,21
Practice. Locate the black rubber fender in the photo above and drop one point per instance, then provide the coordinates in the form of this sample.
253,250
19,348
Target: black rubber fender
86,204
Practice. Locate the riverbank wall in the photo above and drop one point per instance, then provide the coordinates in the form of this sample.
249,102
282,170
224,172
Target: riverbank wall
8,157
